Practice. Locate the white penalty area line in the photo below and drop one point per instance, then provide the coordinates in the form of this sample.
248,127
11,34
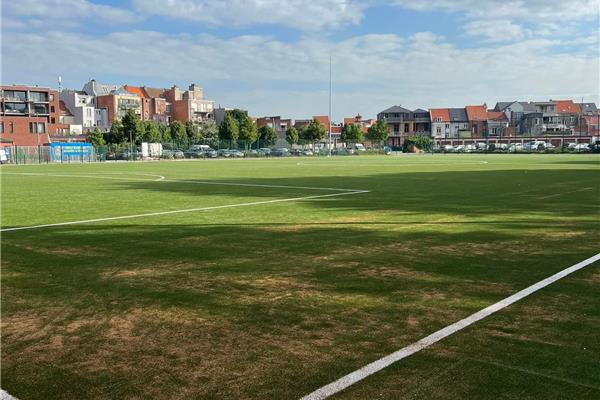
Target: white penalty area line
376,366
188,210
160,178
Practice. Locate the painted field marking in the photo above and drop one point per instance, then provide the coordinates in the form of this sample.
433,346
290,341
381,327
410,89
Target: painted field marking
187,210
163,179
391,164
562,193
77,175
376,366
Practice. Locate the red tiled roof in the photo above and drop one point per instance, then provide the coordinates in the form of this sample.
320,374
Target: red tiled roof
135,90
476,113
567,106
496,116
441,113
323,119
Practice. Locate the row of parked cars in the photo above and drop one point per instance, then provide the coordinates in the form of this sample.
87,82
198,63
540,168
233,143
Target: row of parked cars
529,147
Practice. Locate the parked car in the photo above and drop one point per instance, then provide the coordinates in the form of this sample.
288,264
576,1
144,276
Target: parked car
236,154
307,152
211,153
283,152
448,148
459,149
265,151
387,150
178,154
582,147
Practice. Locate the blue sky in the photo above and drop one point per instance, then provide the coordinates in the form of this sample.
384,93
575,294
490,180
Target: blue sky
271,57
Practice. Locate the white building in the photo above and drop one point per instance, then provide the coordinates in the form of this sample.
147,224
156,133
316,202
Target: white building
81,105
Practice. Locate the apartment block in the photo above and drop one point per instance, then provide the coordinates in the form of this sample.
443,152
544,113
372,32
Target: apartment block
29,114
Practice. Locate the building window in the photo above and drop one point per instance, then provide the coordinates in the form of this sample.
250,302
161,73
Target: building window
38,96
15,108
15,95
1,127
438,129
447,126
438,119
40,109
11,128
52,120
406,128
51,109
37,127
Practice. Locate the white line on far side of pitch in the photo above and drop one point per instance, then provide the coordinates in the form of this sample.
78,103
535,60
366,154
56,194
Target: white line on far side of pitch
376,366
163,179
188,210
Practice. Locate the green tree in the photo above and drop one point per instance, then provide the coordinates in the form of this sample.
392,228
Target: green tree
193,132
132,126
151,132
420,142
178,133
291,136
209,132
248,132
313,132
237,114
229,129
267,135
116,133
352,133
95,137
165,133
378,133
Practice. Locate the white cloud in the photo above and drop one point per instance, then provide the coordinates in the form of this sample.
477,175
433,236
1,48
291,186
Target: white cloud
496,30
371,72
306,15
504,20
41,13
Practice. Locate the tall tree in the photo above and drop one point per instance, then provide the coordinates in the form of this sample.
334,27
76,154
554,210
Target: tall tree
267,135
209,132
239,115
193,132
151,132
248,132
132,126
313,132
352,133
178,133
229,128
116,133
378,133
95,137
291,136
165,133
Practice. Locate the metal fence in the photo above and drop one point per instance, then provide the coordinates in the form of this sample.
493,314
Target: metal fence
72,154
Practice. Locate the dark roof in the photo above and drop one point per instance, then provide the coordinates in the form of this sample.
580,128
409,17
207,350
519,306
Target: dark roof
457,115
395,109
530,107
588,108
501,105
420,110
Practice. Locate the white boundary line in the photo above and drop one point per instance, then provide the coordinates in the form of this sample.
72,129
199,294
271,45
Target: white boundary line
188,210
158,177
378,365
163,179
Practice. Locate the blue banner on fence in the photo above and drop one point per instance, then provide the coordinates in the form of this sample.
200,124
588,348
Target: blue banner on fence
70,151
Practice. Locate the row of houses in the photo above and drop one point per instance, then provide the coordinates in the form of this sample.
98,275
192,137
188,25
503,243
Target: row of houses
506,119
33,115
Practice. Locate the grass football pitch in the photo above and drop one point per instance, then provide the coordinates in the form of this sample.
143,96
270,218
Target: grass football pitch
267,279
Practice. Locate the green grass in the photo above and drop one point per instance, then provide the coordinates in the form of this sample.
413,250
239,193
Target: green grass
276,300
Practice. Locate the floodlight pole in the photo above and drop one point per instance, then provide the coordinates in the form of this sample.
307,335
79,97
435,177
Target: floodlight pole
329,139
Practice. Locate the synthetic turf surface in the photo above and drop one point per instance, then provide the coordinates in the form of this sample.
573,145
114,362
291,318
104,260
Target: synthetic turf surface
275,300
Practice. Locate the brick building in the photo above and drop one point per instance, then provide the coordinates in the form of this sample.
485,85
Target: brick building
30,114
